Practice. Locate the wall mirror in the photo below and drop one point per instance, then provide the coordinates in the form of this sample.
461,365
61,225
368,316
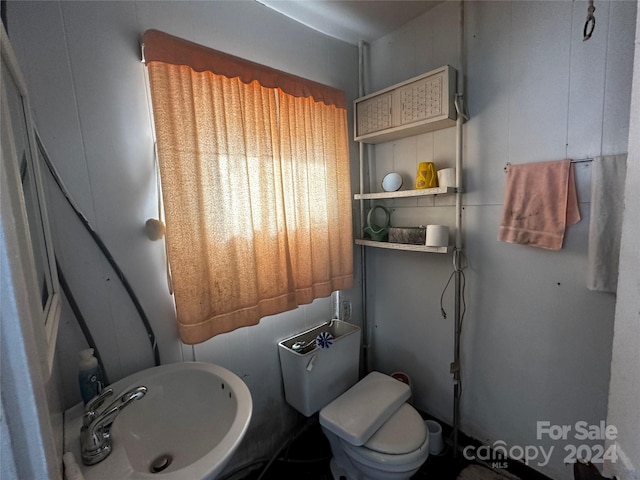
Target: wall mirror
22,162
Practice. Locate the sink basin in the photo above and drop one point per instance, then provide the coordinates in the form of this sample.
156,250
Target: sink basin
187,426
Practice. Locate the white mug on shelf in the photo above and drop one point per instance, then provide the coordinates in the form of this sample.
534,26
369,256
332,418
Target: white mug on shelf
447,177
437,236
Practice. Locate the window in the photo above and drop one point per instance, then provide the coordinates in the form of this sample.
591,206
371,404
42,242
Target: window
255,180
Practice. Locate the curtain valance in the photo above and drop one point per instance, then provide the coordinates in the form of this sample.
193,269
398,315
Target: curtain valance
162,47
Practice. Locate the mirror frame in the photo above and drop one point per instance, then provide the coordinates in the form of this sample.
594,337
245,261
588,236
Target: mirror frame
46,314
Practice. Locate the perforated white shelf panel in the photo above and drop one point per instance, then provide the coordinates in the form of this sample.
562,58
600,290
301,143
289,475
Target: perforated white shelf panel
419,105
421,100
375,114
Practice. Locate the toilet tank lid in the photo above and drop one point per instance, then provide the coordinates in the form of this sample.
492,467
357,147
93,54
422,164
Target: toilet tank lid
356,414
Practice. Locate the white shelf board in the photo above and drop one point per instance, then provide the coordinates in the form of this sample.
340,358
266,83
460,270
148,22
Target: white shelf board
405,193
404,246
403,131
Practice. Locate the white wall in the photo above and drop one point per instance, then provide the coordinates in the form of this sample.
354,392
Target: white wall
536,342
624,390
82,64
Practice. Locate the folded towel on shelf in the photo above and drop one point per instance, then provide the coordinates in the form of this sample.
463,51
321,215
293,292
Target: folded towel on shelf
605,224
540,201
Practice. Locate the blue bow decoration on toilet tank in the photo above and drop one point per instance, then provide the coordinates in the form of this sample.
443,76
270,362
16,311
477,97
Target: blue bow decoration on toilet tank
324,340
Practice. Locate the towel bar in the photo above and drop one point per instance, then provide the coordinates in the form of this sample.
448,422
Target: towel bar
580,160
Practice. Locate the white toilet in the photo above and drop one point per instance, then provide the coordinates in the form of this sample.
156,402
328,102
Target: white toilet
373,432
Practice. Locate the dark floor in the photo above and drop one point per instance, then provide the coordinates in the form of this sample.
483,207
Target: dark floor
308,459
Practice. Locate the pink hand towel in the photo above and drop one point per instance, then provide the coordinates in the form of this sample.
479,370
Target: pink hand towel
540,200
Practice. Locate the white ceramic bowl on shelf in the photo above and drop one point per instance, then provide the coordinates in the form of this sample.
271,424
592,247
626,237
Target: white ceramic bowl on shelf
392,182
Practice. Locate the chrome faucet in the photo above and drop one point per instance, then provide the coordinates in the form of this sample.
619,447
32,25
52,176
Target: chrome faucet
95,434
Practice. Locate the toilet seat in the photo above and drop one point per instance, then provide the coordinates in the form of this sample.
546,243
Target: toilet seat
388,463
402,433
362,410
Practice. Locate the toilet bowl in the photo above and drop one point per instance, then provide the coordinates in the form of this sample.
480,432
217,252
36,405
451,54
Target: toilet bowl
372,430
373,433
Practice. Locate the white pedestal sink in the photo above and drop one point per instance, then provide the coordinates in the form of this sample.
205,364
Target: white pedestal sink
186,427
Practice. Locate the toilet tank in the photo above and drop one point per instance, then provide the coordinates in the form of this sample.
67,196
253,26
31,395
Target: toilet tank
314,376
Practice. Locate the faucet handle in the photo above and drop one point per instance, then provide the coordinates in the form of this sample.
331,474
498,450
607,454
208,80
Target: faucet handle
110,413
98,400
93,404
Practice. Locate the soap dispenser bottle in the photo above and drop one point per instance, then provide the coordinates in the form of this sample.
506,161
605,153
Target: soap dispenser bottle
89,375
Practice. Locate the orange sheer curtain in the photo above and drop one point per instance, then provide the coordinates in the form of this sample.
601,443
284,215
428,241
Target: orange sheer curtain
315,164
257,197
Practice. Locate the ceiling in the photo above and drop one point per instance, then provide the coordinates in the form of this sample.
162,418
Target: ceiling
352,20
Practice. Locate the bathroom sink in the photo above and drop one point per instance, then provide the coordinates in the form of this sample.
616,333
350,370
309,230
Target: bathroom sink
187,426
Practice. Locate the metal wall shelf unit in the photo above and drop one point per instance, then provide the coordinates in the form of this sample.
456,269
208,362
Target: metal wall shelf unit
429,102
421,104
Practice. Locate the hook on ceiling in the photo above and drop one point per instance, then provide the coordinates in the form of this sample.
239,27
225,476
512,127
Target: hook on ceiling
590,24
